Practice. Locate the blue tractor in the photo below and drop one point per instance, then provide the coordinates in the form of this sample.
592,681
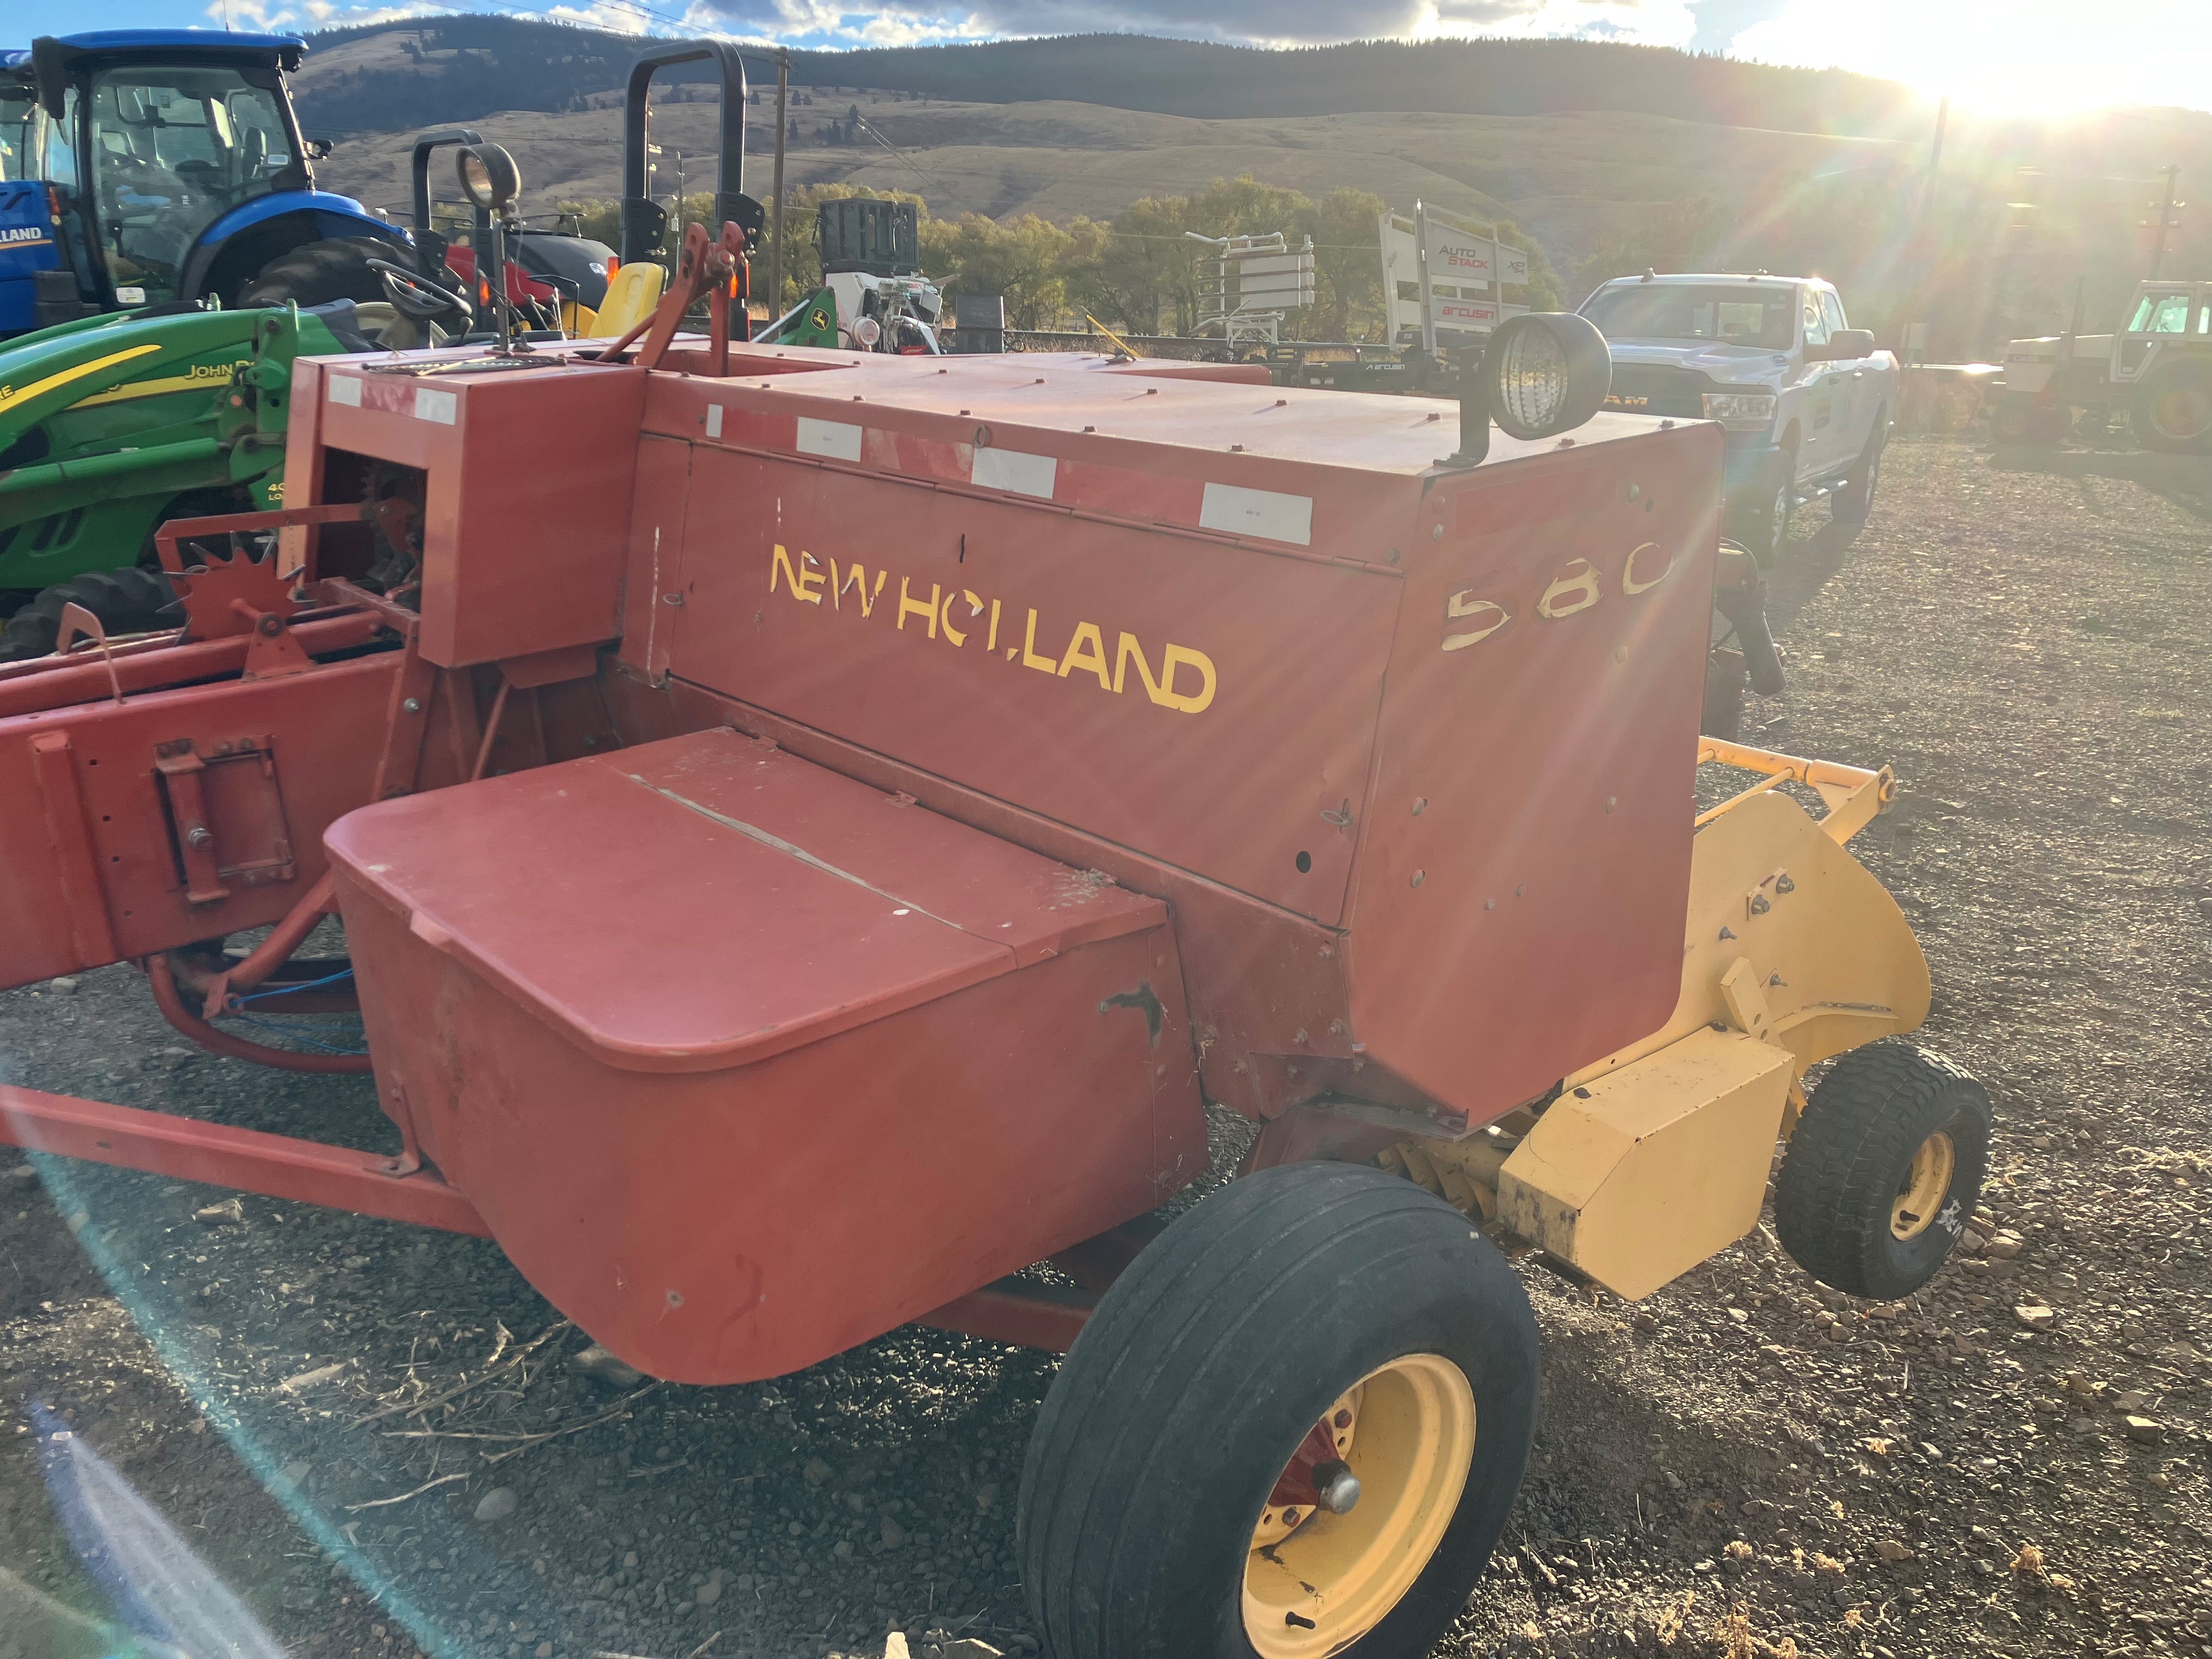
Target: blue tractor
164,168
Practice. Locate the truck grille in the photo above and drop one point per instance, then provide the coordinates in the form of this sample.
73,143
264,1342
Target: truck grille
1642,389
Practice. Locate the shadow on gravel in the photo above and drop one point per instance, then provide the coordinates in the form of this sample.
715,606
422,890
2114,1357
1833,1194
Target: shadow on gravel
1806,567
2184,480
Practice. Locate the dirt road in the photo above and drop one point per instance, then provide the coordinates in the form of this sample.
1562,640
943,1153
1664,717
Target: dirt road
1740,1465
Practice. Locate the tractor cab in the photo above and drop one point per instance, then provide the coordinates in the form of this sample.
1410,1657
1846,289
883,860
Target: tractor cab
156,166
147,146
2164,312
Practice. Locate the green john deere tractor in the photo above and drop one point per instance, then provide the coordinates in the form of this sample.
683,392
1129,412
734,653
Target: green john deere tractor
110,425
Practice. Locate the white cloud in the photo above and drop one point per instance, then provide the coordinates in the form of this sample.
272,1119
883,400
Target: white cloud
2017,56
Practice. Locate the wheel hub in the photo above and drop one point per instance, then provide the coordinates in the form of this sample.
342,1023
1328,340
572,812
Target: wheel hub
1921,1193
1320,1576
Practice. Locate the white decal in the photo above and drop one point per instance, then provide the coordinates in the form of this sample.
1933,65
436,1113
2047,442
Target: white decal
836,440
345,389
1240,511
1011,470
443,407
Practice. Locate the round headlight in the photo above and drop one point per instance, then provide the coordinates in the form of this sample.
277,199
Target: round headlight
867,331
489,177
1549,371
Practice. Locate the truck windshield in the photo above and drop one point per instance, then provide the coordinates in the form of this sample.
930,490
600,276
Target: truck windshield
18,132
173,150
1764,318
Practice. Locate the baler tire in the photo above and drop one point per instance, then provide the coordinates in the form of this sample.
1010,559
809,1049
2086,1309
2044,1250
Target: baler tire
1204,1368
131,600
1885,1113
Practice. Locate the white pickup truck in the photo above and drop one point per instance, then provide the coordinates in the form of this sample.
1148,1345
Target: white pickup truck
1806,399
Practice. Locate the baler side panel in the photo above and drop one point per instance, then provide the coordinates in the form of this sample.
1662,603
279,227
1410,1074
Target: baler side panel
1199,702
1525,866
656,545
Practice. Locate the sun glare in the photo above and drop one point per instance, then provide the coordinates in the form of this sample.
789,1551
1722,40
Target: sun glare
2023,58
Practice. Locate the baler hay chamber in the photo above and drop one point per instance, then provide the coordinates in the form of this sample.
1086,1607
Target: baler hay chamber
763,785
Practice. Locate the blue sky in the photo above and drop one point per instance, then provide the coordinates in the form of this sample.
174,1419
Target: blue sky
2018,57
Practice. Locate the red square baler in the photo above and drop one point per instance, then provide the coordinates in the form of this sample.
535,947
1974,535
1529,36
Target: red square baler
770,792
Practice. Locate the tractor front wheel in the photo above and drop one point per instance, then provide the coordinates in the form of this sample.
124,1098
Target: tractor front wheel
131,600
1293,1429
1884,1169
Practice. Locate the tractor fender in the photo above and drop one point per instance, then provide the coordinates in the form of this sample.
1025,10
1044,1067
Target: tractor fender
233,250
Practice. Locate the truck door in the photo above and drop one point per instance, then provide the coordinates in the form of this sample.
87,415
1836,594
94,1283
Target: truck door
1853,399
1816,446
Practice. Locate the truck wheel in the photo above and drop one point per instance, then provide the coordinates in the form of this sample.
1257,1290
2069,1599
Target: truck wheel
2173,409
1726,682
1293,1429
1851,503
1885,1168
132,600
1764,527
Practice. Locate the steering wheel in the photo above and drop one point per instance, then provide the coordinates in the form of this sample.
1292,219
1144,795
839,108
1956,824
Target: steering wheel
417,298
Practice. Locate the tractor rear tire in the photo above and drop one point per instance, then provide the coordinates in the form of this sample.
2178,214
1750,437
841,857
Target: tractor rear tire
316,273
131,600
2173,409
1885,1168
1150,1525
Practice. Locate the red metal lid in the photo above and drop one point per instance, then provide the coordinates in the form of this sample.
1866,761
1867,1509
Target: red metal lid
708,900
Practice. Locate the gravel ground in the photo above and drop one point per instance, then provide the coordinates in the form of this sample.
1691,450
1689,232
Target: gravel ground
1741,1466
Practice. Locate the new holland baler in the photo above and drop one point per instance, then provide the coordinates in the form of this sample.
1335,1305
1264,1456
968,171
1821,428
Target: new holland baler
766,790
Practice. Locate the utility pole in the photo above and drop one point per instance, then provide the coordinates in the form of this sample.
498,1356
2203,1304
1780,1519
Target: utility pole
1936,150
775,231
2164,219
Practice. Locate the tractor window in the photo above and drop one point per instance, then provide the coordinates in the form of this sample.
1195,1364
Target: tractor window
19,132
2161,313
173,149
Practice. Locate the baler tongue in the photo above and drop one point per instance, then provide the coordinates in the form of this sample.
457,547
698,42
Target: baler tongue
739,947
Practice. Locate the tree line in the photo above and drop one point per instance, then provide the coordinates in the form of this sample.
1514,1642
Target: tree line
1137,272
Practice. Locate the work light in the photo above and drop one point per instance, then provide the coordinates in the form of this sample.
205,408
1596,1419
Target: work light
1548,373
489,177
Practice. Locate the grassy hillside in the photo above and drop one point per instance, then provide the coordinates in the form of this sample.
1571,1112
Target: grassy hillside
456,69
1612,157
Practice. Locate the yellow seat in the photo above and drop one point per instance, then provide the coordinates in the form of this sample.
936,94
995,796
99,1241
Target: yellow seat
632,294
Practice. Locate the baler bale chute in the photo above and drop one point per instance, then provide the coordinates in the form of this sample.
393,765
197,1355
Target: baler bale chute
734,764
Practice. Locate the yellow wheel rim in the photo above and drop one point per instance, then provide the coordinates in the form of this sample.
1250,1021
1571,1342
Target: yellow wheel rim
1925,1185
1314,1586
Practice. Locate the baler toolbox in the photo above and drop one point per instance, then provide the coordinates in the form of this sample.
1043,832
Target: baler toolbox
724,1010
